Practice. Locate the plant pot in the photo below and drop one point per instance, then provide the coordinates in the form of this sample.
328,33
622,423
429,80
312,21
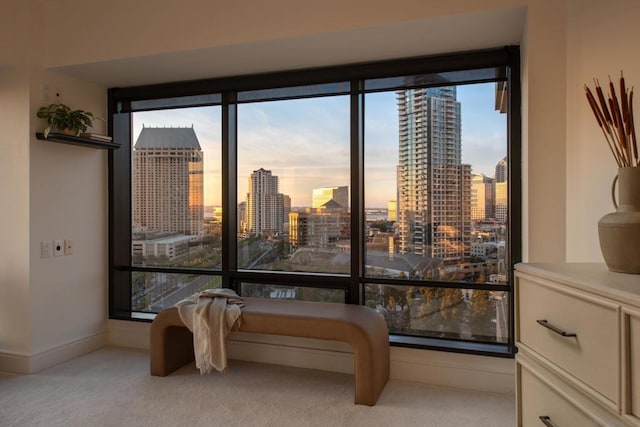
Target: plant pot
69,132
619,231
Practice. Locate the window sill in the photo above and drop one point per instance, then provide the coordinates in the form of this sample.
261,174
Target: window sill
465,347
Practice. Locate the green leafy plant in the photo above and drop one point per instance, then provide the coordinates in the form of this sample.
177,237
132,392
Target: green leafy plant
65,120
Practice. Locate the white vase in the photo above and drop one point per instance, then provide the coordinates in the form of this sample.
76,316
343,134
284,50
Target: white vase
619,231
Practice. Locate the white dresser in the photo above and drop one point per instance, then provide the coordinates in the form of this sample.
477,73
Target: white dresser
578,338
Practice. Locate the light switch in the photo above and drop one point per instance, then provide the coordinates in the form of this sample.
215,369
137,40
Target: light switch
45,249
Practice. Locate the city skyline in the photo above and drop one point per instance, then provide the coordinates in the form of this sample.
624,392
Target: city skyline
286,126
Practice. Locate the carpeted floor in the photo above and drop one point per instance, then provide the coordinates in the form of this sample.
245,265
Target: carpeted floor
112,387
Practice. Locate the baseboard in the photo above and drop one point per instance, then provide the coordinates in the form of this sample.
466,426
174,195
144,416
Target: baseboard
124,333
464,371
29,364
14,363
471,372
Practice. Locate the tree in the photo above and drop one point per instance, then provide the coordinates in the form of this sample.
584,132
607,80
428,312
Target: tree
449,309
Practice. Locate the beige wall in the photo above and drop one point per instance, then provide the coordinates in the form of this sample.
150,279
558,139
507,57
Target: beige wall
148,27
544,132
7,32
602,39
52,191
68,200
49,191
14,190
14,212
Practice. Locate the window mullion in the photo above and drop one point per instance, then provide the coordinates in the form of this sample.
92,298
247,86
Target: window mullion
229,188
354,294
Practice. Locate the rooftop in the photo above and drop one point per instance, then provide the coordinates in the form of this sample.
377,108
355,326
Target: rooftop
167,138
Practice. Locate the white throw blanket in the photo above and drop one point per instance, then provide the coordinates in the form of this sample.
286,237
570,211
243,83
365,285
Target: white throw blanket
211,315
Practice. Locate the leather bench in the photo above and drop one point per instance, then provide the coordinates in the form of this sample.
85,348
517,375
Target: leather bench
361,327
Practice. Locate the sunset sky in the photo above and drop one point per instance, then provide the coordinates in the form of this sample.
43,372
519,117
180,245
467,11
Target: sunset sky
305,142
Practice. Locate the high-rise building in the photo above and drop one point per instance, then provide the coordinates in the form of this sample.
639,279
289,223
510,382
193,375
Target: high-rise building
482,197
265,205
168,189
502,173
434,187
286,203
320,196
501,190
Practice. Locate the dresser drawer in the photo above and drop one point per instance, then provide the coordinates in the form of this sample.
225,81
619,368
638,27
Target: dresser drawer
592,356
633,364
540,400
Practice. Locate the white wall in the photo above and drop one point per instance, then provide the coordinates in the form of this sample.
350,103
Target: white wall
602,40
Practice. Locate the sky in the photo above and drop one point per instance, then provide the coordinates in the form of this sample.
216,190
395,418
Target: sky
305,142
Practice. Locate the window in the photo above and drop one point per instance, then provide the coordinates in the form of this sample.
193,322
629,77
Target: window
294,207
389,184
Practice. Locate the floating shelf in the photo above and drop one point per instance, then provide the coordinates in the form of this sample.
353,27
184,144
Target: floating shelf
76,140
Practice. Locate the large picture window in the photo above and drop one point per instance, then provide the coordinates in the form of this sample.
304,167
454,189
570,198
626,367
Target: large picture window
391,184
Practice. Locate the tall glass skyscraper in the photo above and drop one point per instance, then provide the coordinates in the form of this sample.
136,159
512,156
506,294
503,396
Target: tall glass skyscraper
434,187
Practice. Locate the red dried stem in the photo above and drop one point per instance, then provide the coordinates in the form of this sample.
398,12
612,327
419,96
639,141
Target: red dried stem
615,118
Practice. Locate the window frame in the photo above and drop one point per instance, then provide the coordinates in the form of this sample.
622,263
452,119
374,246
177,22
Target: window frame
119,180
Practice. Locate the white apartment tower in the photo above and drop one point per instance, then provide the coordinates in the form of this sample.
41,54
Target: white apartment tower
265,205
434,187
168,190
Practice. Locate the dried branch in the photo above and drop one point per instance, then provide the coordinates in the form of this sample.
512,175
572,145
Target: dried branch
615,118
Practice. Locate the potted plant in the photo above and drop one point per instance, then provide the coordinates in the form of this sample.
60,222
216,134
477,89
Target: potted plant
65,120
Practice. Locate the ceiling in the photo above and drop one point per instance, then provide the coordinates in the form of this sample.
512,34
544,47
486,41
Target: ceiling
416,38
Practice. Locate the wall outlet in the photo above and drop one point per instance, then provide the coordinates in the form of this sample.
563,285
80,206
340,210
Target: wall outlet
45,249
68,247
58,247
58,94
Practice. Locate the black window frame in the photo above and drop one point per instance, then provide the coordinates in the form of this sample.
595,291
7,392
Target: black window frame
120,102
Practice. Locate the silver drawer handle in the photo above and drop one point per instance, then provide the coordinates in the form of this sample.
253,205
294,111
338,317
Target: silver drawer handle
547,421
555,329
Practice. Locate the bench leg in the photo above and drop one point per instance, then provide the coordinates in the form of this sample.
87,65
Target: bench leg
370,376
171,349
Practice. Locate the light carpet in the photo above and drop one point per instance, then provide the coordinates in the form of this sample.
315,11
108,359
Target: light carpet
112,387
